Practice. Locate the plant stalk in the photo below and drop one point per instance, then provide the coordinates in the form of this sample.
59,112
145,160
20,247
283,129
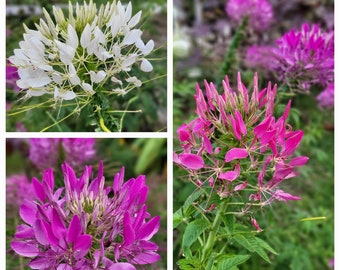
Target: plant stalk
212,235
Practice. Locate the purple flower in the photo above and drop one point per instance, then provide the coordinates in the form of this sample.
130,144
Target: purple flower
326,97
306,57
45,153
261,57
85,225
259,12
18,189
11,77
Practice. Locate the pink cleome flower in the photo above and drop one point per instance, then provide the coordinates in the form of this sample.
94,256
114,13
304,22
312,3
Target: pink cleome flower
258,12
236,139
85,225
306,57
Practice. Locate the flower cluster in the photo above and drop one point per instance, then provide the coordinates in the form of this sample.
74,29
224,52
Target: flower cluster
258,12
236,143
76,151
306,57
86,225
74,57
18,189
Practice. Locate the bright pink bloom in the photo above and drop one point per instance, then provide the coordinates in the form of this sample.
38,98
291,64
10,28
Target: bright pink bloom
86,225
258,12
237,132
306,57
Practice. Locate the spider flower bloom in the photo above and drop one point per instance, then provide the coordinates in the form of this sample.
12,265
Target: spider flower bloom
326,97
236,139
74,57
306,57
18,188
86,225
258,12
45,152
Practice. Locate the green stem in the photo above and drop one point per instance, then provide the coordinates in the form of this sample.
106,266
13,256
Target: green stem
212,235
234,44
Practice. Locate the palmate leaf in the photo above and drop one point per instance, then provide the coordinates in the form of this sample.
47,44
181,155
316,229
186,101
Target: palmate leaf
229,262
181,213
254,244
189,264
191,233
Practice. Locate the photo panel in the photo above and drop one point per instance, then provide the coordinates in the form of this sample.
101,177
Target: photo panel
85,66
253,106
84,203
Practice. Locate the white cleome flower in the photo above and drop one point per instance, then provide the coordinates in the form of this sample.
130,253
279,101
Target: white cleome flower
77,55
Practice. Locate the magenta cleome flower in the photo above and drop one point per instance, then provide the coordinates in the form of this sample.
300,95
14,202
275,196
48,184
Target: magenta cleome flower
258,12
326,97
86,225
236,139
18,189
45,152
306,57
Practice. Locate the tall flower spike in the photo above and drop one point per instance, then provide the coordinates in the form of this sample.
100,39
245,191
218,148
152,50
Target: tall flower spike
54,59
86,225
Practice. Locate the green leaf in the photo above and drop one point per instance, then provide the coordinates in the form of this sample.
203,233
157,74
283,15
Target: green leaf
243,241
192,232
177,218
149,154
229,223
229,262
250,242
265,245
189,264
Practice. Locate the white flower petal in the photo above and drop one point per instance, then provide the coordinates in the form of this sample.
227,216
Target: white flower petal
72,39
115,80
34,78
135,19
87,88
131,59
132,36
74,79
97,77
57,78
146,66
148,47
36,92
66,52
134,80
85,36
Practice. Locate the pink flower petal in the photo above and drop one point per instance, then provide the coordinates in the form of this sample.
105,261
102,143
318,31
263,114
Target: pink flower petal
25,249
230,175
74,229
236,153
241,186
299,161
292,143
191,161
283,196
122,266
183,133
